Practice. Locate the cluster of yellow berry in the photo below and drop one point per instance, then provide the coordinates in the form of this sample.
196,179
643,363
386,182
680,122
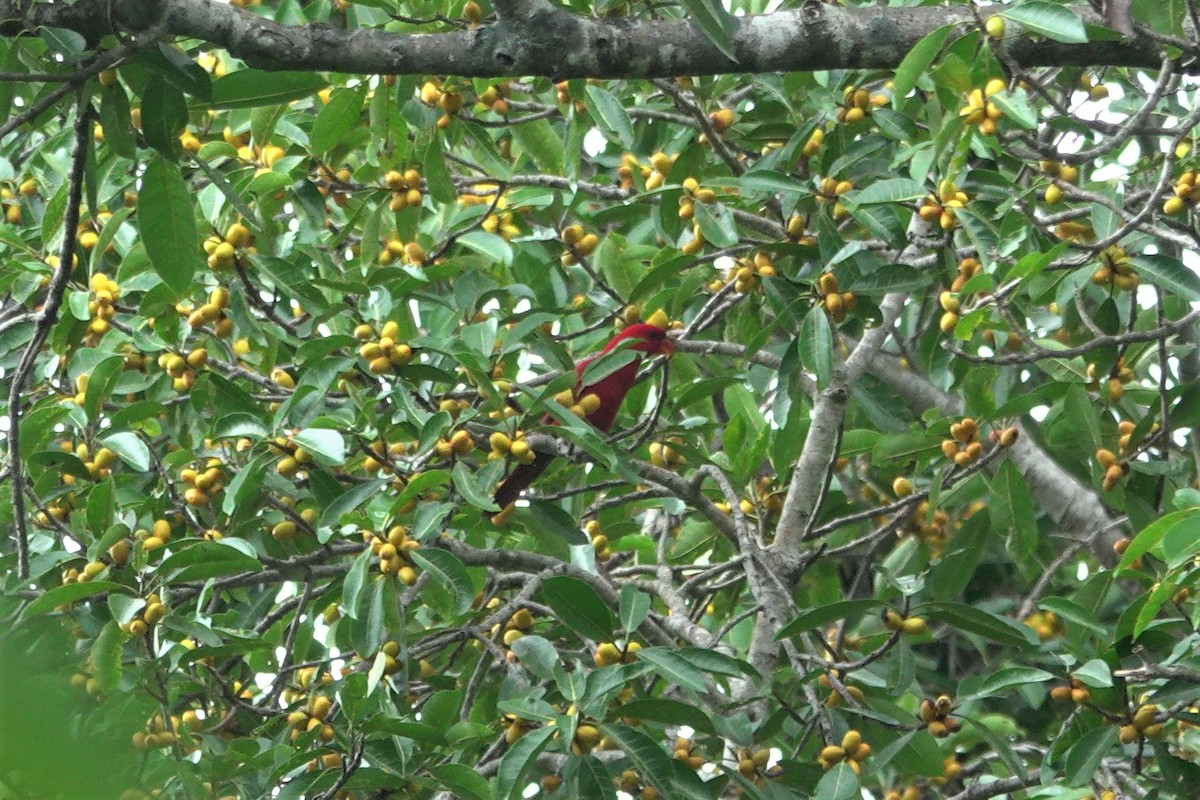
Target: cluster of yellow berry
222,250
631,784
1186,195
562,92
829,190
495,96
87,234
56,510
1126,428
502,446
834,698
159,734
98,464
182,367
1114,468
579,244
797,231
383,354
835,302
936,716
515,727
656,174
625,171
813,145
685,751
393,548
693,193
460,443
105,292
304,678
908,792
202,484
154,538
1046,624
964,445
753,764
311,719
1116,269
942,207
1067,173
382,455
12,209
405,187
294,457
264,157
662,454
1142,723
287,530
394,248
608,654
1114,387
857,104
519,624
1096,91
599,542
853,750
721,119
503,224
450,102
151,614
979,111
213,313
895,621
327,179
747,273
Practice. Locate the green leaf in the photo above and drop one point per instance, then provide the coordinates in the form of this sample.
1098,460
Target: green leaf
716,223
104,659
1048,19
467,484
1016,108
819,617
670,665
519,760
1095,673
1154,602
462,781
634,605
717,23
130,447
610,115
356,579
578,607
918,61
489,245
204,560
542,142
770,181
1011,509
672,712
892,190
116,122
167,223
1169,274
1152,534
164,117
71,593
437,176
1180,544
1008,677
1072,613
891,278
648,757
839,783
351,499
448,571
1083,759
982,623
336,120
538,655
248,88
816,345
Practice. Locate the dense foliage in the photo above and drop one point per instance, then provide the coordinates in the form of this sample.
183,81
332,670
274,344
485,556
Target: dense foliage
271,340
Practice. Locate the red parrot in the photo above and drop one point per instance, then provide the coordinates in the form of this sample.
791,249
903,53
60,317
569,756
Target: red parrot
609,390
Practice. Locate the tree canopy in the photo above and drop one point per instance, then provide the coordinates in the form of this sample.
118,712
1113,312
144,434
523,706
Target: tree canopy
288,287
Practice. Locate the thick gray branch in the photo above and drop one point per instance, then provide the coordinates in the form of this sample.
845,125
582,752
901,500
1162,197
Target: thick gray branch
535,37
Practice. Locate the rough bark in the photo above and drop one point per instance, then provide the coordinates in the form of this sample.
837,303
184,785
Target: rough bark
537,38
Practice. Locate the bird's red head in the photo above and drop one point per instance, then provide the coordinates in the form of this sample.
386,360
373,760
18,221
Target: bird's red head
653,340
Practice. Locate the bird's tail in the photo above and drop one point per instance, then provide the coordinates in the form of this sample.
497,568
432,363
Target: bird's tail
519,480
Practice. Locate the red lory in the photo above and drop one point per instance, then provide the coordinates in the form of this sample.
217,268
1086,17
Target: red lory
600,401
